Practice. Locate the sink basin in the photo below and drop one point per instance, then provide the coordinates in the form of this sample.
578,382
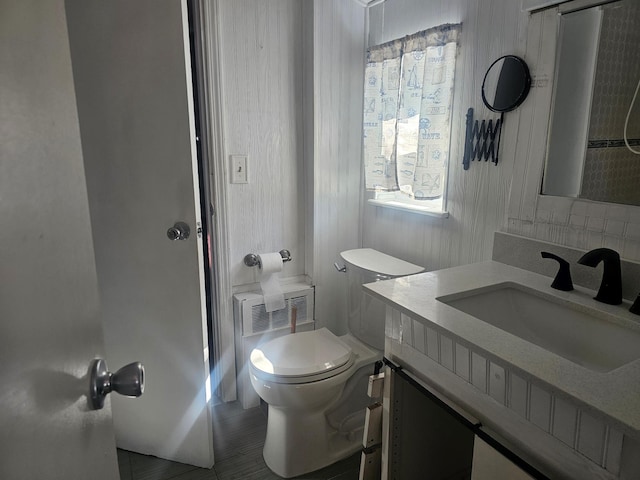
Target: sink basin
577,333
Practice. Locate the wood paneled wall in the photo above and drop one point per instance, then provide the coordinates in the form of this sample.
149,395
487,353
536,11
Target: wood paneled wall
268,116
477,198
292,84
489,198
338,66
262,85
292,77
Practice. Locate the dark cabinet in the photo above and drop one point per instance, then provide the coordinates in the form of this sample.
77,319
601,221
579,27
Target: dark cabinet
431,438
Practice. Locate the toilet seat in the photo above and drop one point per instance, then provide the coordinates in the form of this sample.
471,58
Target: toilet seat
301,358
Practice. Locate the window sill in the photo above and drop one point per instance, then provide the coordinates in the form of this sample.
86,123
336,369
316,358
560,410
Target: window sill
405,207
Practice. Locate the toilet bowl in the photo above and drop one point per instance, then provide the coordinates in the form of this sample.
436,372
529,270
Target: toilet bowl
299,438
315,382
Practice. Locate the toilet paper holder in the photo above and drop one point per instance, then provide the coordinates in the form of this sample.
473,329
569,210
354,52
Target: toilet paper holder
251,259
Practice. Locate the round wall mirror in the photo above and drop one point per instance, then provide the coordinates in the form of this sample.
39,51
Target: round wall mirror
506,84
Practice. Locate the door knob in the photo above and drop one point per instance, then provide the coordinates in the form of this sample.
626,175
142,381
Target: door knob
128,381
180,231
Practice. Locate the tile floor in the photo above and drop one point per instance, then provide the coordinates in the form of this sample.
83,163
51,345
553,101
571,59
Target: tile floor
238,437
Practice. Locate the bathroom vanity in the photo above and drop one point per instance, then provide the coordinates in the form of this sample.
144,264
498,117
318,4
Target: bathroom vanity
547,383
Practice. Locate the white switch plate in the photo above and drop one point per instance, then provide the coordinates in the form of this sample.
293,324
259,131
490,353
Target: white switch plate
238,167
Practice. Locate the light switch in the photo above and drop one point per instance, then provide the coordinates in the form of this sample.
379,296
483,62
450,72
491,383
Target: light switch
238,166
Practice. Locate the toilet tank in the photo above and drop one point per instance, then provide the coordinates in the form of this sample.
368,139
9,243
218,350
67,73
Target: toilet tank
367,314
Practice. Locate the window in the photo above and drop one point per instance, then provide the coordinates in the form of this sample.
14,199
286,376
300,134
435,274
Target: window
408,94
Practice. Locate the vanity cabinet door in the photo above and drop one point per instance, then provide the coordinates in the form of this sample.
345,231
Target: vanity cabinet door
489,464
430,436
427,437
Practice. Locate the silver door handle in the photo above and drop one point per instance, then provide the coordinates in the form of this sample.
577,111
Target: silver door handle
180,231
128,381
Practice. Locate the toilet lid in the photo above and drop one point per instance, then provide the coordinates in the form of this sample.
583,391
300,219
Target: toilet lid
380,263
301,354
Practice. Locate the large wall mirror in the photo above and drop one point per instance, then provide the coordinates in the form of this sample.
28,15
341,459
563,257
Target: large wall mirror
597,73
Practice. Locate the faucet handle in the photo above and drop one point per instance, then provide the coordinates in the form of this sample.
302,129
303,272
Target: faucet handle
563,277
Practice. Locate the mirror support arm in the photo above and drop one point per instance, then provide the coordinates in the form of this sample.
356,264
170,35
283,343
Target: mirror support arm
468,142
480,140
499,128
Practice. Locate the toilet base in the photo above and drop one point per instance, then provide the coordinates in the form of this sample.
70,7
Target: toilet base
302,442
313,425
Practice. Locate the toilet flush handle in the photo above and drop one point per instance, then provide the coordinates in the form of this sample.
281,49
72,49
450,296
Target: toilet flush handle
341,269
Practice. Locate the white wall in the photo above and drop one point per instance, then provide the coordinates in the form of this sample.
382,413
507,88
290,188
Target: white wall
338,69
336,217
477,198
262,87
489,198
292,83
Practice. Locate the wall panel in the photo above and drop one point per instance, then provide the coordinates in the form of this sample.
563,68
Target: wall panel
338,65
565,221
477,197
262,68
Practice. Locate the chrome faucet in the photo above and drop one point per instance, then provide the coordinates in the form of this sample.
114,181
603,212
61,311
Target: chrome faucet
611,286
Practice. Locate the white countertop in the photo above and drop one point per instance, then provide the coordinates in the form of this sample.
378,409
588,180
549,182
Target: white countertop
615,394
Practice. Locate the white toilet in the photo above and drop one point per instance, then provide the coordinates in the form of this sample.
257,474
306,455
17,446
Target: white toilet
315,383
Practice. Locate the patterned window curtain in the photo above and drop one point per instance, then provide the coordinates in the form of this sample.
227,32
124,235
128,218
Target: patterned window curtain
408,94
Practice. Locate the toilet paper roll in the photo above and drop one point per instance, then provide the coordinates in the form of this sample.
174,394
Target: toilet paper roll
270,265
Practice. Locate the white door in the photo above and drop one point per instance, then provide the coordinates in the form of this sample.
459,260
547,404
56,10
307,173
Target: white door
49,311
132,74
